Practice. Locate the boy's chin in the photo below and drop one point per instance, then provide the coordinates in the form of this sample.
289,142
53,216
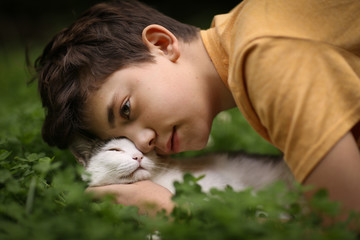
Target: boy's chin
200,145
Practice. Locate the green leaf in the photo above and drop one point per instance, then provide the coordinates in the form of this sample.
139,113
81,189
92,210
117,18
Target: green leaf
13,186
4,175
321,203
4,154
43,165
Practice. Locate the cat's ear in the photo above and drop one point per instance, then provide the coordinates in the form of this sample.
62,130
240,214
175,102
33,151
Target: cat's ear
79,157
82,147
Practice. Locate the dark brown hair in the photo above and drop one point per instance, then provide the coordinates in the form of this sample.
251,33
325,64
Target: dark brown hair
78,59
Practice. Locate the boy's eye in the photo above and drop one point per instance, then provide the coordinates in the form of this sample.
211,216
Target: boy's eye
125,110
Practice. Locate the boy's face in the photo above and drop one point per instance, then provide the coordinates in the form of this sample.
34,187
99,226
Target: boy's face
158,106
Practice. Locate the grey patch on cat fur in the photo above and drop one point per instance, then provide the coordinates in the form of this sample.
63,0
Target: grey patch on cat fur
84,147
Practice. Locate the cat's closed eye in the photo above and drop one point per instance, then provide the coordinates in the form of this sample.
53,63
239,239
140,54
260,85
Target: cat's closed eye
115,149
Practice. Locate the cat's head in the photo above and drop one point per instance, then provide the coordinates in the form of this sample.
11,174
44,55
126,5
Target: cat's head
119,161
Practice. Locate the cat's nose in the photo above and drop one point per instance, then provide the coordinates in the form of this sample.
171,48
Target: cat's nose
138,157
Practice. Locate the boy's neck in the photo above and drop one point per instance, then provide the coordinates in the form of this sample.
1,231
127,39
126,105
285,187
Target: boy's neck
218,94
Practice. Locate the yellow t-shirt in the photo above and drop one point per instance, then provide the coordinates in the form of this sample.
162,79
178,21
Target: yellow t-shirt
293,68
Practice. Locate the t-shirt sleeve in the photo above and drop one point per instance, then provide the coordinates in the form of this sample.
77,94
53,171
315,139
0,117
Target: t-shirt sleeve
305,94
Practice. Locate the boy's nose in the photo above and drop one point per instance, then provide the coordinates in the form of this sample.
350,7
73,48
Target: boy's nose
145,140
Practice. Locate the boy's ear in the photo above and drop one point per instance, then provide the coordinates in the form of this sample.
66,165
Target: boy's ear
157,38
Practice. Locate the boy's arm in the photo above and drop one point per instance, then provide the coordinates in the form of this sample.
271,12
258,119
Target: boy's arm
148,196
339,173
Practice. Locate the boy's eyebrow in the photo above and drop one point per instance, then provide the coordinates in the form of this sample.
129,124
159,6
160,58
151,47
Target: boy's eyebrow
110,111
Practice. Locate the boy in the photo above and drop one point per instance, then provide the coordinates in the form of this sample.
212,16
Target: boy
291,67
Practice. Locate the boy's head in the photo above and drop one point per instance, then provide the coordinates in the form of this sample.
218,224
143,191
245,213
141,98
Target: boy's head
106,38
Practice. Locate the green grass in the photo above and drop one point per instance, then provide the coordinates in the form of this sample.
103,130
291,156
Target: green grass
42,196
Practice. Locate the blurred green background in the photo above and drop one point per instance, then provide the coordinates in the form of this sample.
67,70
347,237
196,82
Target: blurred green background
31,24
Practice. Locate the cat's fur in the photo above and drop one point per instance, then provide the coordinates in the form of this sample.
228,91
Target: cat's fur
119,161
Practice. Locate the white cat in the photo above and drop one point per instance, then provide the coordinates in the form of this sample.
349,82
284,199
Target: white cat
119,161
